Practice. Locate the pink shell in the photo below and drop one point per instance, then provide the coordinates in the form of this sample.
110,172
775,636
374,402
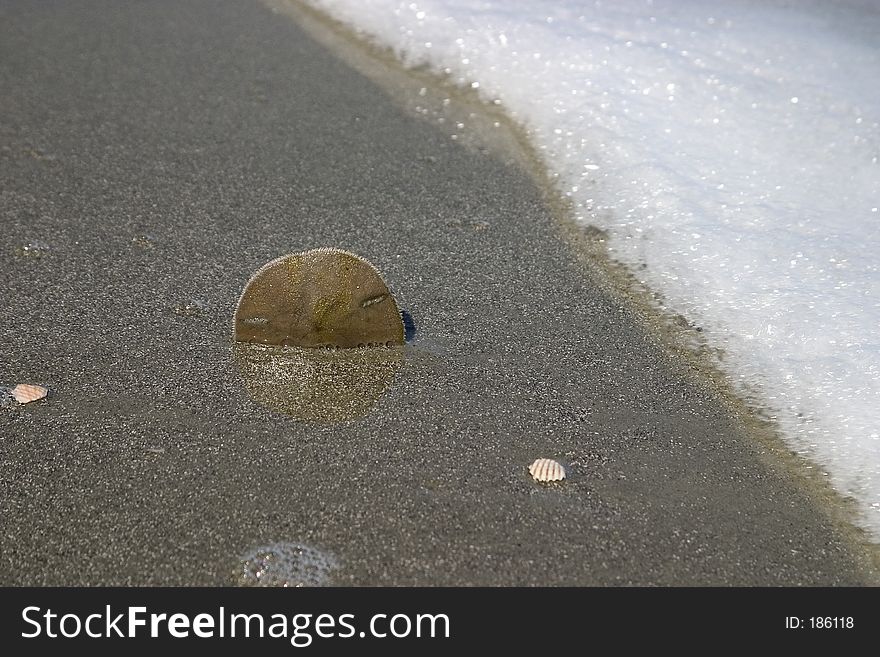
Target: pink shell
25,393
547,470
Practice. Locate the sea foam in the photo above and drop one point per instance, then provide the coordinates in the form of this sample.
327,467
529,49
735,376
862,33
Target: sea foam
729,147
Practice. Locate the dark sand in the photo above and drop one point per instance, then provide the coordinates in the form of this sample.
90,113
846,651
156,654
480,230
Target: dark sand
153,156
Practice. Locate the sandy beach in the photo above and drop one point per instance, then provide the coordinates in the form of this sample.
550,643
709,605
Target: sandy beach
152,157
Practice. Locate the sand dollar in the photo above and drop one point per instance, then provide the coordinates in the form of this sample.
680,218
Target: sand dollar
318,298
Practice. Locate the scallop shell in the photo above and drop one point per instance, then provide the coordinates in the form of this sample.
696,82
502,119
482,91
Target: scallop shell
25,393
547,470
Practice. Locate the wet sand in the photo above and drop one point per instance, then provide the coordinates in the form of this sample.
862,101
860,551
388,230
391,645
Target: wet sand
152,157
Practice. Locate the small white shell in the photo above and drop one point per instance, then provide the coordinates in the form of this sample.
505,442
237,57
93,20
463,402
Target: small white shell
25,393
547,470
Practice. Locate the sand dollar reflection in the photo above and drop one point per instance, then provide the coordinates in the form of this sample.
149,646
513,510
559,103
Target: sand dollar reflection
317,384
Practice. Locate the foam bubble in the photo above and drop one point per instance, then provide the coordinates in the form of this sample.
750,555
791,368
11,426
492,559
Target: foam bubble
285,564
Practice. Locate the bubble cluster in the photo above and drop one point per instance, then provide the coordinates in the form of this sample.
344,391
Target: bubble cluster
285,564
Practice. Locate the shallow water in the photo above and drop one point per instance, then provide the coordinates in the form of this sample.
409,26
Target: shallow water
730,150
